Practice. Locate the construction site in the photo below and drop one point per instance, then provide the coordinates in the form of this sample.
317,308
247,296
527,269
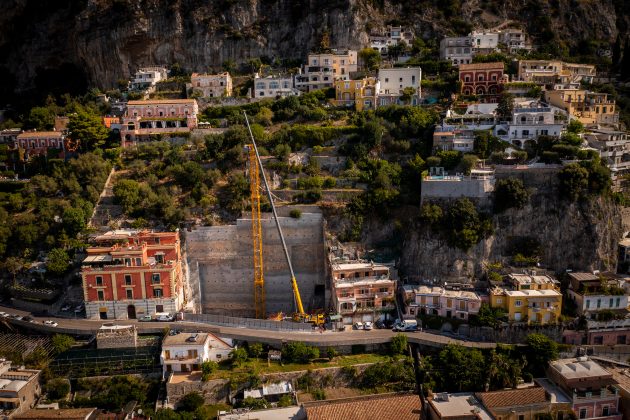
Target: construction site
220,263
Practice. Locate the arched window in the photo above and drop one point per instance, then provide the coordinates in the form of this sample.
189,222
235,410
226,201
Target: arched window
480,78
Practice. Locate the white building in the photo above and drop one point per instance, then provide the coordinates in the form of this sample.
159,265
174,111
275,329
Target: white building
458,50
530,120
395,80
323,69
453,139
441,302
484,42
393,36
614,149
477,117
514,39
211,85
185,352
147,77
274,86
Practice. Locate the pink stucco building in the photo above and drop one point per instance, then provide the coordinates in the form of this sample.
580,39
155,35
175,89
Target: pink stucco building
591,388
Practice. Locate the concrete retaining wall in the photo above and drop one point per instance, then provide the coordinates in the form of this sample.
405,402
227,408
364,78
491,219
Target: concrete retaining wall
220,259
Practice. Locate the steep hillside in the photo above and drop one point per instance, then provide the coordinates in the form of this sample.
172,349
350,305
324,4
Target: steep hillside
66,45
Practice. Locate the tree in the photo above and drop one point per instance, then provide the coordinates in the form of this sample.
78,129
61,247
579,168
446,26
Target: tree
464,225
509,193
41,118
503,371
88,129
431,214
190,402
575,126
58,261
239,356
371,58
127,194
299,352
285,401
540,351
486,143
464,369
73,221
62,342
407,95
505,107
255,350
207,369
573,181
254,403
57,389
398,345
468,163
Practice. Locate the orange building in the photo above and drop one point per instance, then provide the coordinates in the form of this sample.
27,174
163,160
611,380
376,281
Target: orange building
129,273
481,78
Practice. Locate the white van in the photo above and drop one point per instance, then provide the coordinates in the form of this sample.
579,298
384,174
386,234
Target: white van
407,325
164,317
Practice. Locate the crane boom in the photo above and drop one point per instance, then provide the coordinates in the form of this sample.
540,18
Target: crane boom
297,299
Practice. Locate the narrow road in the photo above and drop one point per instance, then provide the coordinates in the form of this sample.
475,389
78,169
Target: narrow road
81,326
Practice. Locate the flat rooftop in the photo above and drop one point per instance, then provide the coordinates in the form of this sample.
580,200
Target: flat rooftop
579,368
458,405
181,377
186,339
533,293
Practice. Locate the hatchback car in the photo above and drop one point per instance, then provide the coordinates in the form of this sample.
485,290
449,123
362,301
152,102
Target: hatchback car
358,325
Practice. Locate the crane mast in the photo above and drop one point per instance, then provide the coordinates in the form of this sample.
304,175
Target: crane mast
297,299
259,279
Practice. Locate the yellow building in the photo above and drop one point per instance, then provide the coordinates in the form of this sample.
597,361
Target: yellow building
530,306
588,107
360,93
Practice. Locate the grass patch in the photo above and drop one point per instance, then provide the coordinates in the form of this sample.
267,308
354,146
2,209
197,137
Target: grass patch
260,366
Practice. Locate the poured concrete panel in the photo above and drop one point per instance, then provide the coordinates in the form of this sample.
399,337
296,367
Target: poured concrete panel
221,262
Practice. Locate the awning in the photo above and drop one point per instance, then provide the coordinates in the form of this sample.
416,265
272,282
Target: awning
11,400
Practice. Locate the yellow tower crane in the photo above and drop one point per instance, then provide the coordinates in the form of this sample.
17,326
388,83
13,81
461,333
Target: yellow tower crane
259,279
255,170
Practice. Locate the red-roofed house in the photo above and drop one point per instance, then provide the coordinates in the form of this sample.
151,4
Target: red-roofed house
481,78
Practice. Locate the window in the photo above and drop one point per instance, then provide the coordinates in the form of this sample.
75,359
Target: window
499,301
138,261
521,417
413,80
128,262
386,79
582,413
99,280
605,411
100,295
518,303
588,303
129,293
480,77
599,303
610,303
155,278
467,78
617,302
128,279
383,290
157,293
159,258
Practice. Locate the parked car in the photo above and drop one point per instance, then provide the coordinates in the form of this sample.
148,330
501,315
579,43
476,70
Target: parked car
16,317
3,314
79,308
28,319
51,323
145,318
65,308
358,325
368,326
164,317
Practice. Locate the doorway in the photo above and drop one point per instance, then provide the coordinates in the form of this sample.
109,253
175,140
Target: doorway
131,312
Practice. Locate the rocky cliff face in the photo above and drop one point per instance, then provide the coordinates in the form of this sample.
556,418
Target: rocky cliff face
579,236
73,43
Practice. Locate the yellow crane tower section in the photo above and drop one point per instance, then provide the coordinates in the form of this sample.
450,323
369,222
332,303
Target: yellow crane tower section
259,279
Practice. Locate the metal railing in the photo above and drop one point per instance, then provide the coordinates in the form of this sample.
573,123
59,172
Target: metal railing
236,322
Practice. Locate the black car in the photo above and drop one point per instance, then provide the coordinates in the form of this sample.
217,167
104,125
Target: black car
28,319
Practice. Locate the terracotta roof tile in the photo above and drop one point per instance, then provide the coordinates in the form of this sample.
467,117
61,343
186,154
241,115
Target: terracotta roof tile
513,397
480,66
381,407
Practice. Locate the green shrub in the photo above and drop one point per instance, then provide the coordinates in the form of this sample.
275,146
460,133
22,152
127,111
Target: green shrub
509,193
295,213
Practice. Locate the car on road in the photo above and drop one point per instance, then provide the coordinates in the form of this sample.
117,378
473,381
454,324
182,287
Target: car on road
3,314
145,318
65,308
406,325
28,319
367,326
16,317
164,317
79,308
358,325
50,323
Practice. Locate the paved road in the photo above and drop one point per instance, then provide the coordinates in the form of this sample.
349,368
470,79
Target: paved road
327,338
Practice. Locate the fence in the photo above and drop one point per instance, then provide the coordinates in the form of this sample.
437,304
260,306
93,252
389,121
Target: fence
257,324
82,363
